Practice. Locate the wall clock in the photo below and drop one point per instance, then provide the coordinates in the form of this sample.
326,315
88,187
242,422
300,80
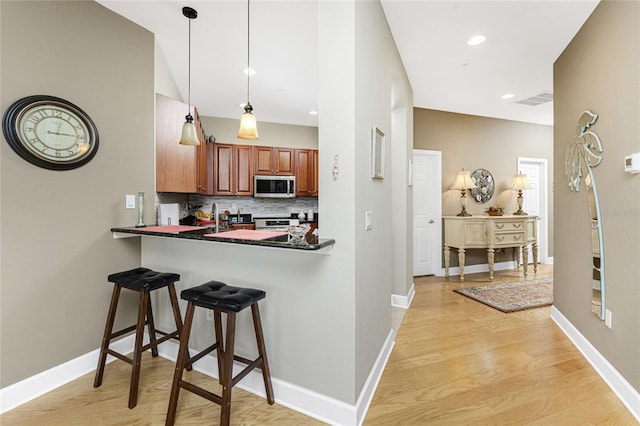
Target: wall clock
485,185
50,132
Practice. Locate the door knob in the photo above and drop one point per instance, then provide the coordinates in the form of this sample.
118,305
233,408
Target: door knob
431,221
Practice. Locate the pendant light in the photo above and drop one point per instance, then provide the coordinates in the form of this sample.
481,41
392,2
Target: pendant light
189,133
248,129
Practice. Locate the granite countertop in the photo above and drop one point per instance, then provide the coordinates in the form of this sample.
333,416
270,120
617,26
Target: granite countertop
206,234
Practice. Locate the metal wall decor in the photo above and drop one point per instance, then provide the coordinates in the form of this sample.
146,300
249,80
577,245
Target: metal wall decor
484,185
585,152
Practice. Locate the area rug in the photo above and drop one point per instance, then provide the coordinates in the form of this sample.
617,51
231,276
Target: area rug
512,297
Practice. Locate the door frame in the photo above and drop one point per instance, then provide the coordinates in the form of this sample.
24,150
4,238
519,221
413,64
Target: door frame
438,269
543,219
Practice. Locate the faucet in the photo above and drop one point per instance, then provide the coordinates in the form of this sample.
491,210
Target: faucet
216,217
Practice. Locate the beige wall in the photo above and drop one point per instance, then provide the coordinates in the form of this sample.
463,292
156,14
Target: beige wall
472,142
271,134
56,246
599,71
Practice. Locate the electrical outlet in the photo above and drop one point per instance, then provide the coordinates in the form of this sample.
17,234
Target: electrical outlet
209,315
130,201
608,318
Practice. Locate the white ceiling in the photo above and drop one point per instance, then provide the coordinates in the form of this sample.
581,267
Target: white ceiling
524,38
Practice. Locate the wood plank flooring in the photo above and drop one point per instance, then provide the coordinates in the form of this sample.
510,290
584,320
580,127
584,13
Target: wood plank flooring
455,362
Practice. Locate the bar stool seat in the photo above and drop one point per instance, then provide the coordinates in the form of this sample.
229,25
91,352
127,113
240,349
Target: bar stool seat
221,298
142,280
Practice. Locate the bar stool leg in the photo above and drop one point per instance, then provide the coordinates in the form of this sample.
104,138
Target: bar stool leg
264,366
108,329
217,316
173,298
137,352
152,328
226,377
183,355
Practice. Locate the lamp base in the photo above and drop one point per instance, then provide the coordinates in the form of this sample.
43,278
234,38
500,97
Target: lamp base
520,212
464,213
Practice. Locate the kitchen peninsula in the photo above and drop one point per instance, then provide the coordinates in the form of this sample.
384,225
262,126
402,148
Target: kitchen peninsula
299,289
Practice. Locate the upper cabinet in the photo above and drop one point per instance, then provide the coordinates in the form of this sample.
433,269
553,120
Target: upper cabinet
306,172
180,168
233,165
274,161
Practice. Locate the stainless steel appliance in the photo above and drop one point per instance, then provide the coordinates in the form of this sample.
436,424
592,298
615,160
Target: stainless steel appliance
275,223
274,186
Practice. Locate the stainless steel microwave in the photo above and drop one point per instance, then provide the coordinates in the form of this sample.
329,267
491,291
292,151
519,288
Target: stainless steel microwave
274,186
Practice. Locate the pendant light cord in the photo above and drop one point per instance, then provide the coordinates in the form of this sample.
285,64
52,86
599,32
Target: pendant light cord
189,85
248,47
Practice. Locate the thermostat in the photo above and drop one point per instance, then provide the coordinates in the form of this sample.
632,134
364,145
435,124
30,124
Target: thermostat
632,163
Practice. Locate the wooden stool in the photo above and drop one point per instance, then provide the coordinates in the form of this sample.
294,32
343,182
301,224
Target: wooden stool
143,281
220,298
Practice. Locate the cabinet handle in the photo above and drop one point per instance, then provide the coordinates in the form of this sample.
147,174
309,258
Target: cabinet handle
517,237
499,225
517,225
499,239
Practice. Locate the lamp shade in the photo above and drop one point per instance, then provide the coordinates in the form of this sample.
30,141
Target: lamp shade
520,182
189,133
248,128
463,181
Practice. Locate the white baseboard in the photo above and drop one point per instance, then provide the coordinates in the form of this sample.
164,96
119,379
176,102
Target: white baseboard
313,404
403,302
35,386
625,392
483,267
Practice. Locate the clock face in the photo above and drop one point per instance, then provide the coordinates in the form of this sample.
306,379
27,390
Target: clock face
50,132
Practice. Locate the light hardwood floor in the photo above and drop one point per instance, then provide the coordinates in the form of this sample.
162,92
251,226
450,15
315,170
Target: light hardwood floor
455,362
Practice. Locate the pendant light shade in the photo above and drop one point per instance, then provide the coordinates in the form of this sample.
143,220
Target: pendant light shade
248,127
189,133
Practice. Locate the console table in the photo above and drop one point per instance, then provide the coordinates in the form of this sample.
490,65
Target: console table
490,232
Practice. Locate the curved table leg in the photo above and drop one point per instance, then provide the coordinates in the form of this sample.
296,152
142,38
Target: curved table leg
461,263
490,258
447,260
534,248
525,259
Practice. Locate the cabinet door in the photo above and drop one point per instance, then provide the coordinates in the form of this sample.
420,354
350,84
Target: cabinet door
223,169
263,159
243,169
284,161
314,173
204,160
175,163
307,172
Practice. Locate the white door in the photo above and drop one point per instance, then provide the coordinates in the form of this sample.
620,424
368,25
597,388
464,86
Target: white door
535,199
427,208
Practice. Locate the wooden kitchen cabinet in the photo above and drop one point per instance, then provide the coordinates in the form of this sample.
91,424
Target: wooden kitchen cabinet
180,168
306,172
274,161
233,166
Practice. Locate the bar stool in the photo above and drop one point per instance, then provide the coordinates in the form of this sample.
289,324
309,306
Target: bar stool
220,298
142,280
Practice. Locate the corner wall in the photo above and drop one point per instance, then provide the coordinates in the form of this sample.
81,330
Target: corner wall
57,249
599,71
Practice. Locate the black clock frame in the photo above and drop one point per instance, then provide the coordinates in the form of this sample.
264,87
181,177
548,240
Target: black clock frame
10,131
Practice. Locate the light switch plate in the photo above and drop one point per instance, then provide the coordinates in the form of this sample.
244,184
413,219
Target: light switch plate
367,220
130,201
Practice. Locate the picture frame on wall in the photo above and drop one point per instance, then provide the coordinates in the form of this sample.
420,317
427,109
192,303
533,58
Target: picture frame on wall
377,154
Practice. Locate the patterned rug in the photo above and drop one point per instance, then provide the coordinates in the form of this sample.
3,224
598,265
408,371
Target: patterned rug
512,297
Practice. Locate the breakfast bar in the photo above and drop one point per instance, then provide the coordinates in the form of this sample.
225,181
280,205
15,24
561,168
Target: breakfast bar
300,292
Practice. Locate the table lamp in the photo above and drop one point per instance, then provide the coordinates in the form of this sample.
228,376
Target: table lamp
520,182
463,182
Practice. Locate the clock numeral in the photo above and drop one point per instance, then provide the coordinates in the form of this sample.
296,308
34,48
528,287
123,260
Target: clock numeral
57,113
34,140
33,119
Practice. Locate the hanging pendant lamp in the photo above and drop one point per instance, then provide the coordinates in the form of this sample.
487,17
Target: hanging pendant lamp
189,133
248,128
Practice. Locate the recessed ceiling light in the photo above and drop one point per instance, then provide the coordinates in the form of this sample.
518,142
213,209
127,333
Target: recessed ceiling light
313,112
249,71
507,96
476,40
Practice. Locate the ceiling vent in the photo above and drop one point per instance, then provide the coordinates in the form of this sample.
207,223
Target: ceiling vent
538,99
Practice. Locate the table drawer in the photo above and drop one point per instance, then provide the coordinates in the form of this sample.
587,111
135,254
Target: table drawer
508,226
509,238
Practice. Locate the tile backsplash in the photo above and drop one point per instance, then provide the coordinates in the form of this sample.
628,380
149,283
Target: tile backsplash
189,203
